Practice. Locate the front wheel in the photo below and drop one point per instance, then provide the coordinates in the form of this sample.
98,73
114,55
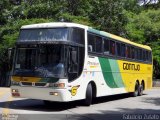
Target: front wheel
88,99
46,102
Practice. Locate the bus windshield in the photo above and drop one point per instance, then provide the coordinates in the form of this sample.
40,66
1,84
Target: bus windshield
44,61
47,34
74,35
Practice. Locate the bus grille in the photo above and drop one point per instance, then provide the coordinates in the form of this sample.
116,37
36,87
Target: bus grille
38,84
26,83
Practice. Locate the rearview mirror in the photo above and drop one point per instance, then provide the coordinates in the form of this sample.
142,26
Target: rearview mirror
10,51
10,56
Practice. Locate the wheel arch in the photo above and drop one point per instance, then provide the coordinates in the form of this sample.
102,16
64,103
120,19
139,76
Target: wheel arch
137,81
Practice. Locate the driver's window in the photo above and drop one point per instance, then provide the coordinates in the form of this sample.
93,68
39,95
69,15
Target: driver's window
73,63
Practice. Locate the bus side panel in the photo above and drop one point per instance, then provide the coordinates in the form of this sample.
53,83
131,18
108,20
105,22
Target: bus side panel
111,77
105,73
132,72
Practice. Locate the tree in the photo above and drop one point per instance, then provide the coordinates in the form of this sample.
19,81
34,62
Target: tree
139,23
144,28
109,16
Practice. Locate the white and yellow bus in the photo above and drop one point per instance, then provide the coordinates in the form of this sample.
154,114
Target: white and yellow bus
67,62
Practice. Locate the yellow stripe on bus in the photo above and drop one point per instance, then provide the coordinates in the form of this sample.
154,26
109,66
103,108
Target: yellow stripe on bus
25,79
133,71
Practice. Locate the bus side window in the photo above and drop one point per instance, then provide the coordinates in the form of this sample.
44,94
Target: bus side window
98,44
91,43
140,54
90,48
132,52
106,47
128,52
144,55
150,56
123,50
112,47
118,49
136,53
147,56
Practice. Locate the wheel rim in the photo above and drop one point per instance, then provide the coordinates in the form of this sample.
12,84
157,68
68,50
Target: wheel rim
141,89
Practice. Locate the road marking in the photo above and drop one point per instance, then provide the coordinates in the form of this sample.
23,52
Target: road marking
1,94
156,87
6,107
3,91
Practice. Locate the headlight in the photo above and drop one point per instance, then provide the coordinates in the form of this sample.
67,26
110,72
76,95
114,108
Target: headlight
15,83
57,85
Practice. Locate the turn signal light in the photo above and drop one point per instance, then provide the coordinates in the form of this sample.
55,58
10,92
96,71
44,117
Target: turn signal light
15,94
53,93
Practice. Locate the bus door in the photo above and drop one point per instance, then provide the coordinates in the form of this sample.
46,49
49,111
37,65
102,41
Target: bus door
72,63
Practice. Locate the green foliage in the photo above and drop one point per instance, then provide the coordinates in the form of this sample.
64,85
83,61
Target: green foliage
9,34
144,28
122,17
108,15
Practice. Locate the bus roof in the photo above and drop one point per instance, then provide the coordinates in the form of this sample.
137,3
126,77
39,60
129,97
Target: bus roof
90,29
118,38
52,25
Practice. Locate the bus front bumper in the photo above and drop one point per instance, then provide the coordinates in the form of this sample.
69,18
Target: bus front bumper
61,95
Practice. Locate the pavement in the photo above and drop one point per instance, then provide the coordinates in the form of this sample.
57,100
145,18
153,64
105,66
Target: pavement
116,107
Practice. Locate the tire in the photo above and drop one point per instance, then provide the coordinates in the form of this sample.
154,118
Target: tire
141,89
136,91
88,99
47,103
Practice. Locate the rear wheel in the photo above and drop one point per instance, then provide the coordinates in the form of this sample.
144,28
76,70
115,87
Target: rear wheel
88,99
136,91
141,89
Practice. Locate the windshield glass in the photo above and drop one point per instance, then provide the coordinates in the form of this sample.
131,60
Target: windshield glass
44,61
47,34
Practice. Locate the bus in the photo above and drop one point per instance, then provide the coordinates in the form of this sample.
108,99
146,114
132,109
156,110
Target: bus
62,62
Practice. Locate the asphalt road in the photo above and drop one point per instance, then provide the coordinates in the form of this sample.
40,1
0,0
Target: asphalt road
105,108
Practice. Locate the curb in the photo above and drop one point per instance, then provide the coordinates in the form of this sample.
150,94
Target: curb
156,83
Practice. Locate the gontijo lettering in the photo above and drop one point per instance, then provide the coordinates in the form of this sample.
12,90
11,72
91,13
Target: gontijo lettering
131,66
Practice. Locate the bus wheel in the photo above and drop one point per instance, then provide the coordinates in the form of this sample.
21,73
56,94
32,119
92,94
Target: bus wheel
141,88
47,103
135,93
88,99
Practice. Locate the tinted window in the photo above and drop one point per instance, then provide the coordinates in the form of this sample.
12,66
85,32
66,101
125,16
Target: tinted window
77,35
98,44
147,56
118,49
140,54
47,34
144,55
132,52
123,50
91,43
150,56
136,53
112,47
106,47
128,52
